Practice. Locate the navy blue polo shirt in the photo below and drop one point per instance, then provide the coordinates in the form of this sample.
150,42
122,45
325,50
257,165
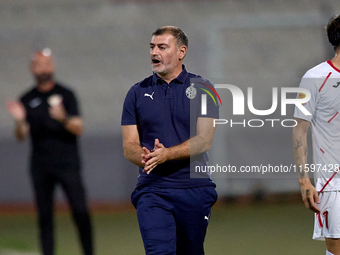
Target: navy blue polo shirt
168,112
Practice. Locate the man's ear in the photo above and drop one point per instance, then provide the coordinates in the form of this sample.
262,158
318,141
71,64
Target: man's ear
181,52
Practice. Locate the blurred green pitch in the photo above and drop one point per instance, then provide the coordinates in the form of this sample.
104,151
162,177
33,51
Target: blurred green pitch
261,229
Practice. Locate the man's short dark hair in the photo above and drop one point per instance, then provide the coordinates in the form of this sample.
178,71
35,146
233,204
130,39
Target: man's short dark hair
333,31
181,37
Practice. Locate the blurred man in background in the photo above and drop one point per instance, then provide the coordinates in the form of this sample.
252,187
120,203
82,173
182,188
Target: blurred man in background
324,199
49,113
163,128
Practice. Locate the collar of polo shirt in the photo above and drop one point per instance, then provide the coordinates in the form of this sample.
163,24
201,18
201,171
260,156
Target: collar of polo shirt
180,78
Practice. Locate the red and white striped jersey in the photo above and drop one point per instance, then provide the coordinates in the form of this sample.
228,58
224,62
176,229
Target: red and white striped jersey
323,83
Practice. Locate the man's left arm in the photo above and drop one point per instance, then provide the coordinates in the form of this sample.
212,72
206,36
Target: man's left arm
67,113
73,124
200,143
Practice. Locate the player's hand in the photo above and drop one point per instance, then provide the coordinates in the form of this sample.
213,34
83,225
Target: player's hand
310,196
156,157
58,113
17,110
146,156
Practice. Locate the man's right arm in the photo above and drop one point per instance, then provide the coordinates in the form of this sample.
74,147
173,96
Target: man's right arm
300,149
131,144
21,130
18,112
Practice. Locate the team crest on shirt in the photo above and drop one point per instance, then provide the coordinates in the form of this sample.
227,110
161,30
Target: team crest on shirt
191,91
300,96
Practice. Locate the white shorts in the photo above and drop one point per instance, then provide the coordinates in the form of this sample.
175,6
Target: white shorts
327,222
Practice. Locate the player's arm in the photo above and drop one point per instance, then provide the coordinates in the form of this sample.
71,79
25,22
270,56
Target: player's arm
300,149
200,143
131,144
18,112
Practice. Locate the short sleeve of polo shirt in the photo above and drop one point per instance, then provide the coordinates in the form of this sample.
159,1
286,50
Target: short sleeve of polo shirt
129,116
311,84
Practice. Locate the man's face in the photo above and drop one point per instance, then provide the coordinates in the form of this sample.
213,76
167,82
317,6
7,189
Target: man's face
164,54
42,67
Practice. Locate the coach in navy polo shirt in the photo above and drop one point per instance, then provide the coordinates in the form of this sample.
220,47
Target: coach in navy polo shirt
166,133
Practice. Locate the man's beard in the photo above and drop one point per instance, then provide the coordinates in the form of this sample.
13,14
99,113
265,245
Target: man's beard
44,78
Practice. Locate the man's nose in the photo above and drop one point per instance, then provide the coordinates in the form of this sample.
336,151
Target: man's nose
154,51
